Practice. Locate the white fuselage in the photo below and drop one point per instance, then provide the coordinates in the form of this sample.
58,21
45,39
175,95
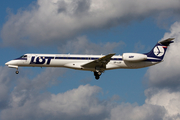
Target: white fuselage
75,61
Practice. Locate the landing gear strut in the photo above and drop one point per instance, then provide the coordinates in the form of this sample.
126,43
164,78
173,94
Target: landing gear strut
17,72
97,75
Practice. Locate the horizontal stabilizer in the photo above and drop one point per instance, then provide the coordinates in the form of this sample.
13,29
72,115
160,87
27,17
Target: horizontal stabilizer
167,41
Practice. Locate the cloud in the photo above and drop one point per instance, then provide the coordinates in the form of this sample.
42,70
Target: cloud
56,21
24,86
78,103
168,100
84,46
164,78
28,99
166,74
48,77
133,111
5,86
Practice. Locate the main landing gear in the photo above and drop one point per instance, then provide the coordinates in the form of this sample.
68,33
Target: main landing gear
97,75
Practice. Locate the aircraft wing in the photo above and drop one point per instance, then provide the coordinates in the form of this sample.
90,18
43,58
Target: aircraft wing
101,62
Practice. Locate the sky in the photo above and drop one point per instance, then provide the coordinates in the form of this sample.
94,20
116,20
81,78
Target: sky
89,27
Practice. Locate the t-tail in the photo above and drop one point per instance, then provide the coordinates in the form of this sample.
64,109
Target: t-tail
159,50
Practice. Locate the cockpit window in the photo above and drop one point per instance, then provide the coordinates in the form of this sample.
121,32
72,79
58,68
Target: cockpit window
23,56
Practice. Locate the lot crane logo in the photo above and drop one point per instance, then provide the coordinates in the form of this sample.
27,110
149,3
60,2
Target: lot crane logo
159,51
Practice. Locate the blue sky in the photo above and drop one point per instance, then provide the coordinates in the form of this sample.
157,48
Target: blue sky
85,27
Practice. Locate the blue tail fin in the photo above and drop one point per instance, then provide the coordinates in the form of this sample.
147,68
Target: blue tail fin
159,50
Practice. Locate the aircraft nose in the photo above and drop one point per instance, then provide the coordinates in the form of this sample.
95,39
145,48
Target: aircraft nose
7,63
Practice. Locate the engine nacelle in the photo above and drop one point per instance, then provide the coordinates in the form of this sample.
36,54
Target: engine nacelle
134,57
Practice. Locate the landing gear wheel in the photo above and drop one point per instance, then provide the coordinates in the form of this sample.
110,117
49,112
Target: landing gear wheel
97,75
17,72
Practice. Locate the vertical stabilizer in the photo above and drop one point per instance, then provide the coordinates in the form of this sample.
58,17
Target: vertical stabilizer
159,50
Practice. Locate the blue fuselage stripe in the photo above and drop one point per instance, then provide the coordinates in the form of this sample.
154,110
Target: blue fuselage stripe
20,59
84,58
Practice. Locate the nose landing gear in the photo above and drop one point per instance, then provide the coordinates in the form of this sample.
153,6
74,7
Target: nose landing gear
17,72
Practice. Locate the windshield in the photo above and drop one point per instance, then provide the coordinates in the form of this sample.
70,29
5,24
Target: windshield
23,56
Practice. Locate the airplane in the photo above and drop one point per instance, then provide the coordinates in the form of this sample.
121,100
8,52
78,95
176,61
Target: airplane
95,63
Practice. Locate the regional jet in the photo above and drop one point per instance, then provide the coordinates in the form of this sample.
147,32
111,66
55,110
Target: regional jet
95,63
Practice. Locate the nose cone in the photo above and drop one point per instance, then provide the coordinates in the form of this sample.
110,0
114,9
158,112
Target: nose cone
12,62
7,63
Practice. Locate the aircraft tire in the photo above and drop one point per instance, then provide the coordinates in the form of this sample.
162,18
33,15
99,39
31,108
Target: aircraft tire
17,72
97,77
